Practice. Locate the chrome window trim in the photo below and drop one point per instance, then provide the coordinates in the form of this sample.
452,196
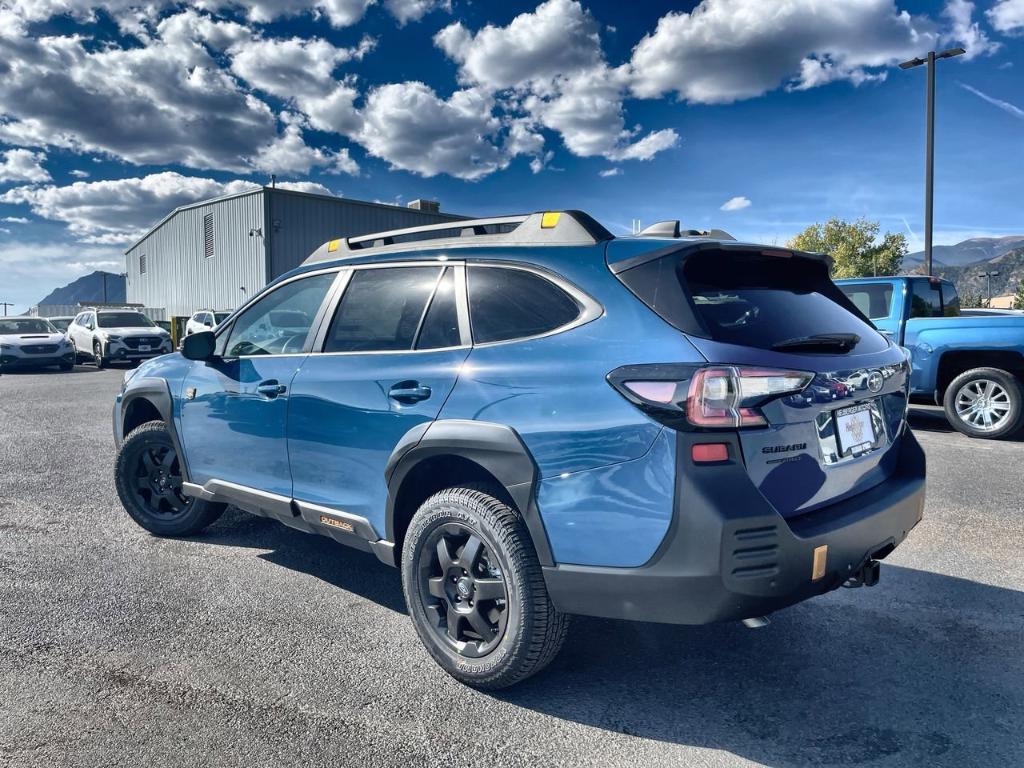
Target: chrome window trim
462,306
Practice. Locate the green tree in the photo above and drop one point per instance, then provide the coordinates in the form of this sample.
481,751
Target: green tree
1018,299
855,247
971,300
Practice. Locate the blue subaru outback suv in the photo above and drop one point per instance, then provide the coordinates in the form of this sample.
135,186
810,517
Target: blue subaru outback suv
532,418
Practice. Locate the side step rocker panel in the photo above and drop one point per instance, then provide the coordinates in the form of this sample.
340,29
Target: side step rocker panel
345,528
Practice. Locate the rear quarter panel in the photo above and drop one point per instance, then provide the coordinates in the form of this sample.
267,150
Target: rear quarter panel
605,491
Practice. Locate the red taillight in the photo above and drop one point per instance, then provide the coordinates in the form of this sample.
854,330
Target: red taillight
728,396
719,396
705,453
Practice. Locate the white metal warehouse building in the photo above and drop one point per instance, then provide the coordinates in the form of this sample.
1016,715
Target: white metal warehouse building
217,253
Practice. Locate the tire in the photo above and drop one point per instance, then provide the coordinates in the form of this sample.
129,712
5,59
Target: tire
1002,403
147,474
97,356
526,632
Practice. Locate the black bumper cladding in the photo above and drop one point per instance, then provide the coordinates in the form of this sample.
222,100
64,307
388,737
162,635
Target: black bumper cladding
729,555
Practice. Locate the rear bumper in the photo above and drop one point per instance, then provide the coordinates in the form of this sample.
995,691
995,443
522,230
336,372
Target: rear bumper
730,555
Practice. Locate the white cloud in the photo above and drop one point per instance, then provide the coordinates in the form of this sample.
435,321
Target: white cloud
23,165
80,174
608,172
726,50
558,38
1007,15
306,186
552,63
117,210
339,13
174,101
735,204
289,154
414,10
5,231
15,220
410,127
1010,109
967,32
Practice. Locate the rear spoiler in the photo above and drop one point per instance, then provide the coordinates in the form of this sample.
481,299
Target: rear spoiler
691,248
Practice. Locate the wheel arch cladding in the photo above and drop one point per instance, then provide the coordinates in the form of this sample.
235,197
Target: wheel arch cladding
149,399
456,452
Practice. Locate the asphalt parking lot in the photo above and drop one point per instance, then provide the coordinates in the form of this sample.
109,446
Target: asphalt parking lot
258,645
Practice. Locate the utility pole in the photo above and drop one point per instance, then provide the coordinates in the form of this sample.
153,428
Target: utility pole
929,163
5,305
989,275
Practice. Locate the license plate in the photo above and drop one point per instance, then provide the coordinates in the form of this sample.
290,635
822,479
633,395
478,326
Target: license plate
143,347
854,428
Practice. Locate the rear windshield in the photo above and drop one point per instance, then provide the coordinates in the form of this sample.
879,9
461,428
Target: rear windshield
123,320
754,300
17,325
220,317
874,300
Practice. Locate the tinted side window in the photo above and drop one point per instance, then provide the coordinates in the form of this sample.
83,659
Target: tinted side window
441,324
874,300
925,300
280,321
382,309
513,304
950,300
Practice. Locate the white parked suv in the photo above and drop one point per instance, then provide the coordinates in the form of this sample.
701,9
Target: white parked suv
32,342
110,335
204,320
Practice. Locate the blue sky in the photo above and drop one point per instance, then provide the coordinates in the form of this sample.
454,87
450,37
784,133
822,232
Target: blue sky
757,116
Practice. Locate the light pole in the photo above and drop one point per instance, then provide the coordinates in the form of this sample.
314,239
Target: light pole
929,163
989,275
5,305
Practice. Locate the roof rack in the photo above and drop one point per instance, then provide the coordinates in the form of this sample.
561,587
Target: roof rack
541,228
670,228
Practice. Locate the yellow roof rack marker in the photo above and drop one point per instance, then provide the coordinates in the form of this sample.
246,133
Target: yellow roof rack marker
550,219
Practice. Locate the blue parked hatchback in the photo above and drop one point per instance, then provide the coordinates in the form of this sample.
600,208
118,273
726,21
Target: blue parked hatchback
532,418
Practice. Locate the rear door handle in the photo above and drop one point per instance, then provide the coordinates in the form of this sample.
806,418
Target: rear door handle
271,389
409,392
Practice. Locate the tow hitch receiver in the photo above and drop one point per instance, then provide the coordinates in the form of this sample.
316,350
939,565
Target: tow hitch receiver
865,576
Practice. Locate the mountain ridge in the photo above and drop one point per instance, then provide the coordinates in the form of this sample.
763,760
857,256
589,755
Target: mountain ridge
98,286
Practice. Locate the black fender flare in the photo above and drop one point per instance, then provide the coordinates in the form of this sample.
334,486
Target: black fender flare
158,393
495,447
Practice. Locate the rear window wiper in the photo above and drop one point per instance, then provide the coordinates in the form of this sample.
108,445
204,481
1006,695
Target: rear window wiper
843,342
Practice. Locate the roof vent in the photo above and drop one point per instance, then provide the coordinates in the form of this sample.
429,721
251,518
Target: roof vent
427,206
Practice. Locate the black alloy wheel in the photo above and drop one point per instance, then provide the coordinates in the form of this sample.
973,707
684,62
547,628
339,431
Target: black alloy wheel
149,479
462,586
156,481
475,589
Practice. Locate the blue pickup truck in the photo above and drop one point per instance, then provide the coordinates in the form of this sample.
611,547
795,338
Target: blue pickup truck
971,364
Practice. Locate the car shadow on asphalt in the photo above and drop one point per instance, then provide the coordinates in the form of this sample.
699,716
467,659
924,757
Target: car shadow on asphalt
932,419
350,569
924,669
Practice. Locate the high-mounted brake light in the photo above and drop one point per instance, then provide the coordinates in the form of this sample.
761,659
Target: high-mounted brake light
720,396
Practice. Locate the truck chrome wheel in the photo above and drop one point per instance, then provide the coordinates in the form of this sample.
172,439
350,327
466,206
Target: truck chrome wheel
983,404
463,590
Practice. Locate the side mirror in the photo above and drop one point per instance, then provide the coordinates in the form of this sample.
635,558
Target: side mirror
208,324
199,346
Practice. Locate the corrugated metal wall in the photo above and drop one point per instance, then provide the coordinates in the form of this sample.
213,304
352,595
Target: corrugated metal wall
181,279
178,275
298,224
